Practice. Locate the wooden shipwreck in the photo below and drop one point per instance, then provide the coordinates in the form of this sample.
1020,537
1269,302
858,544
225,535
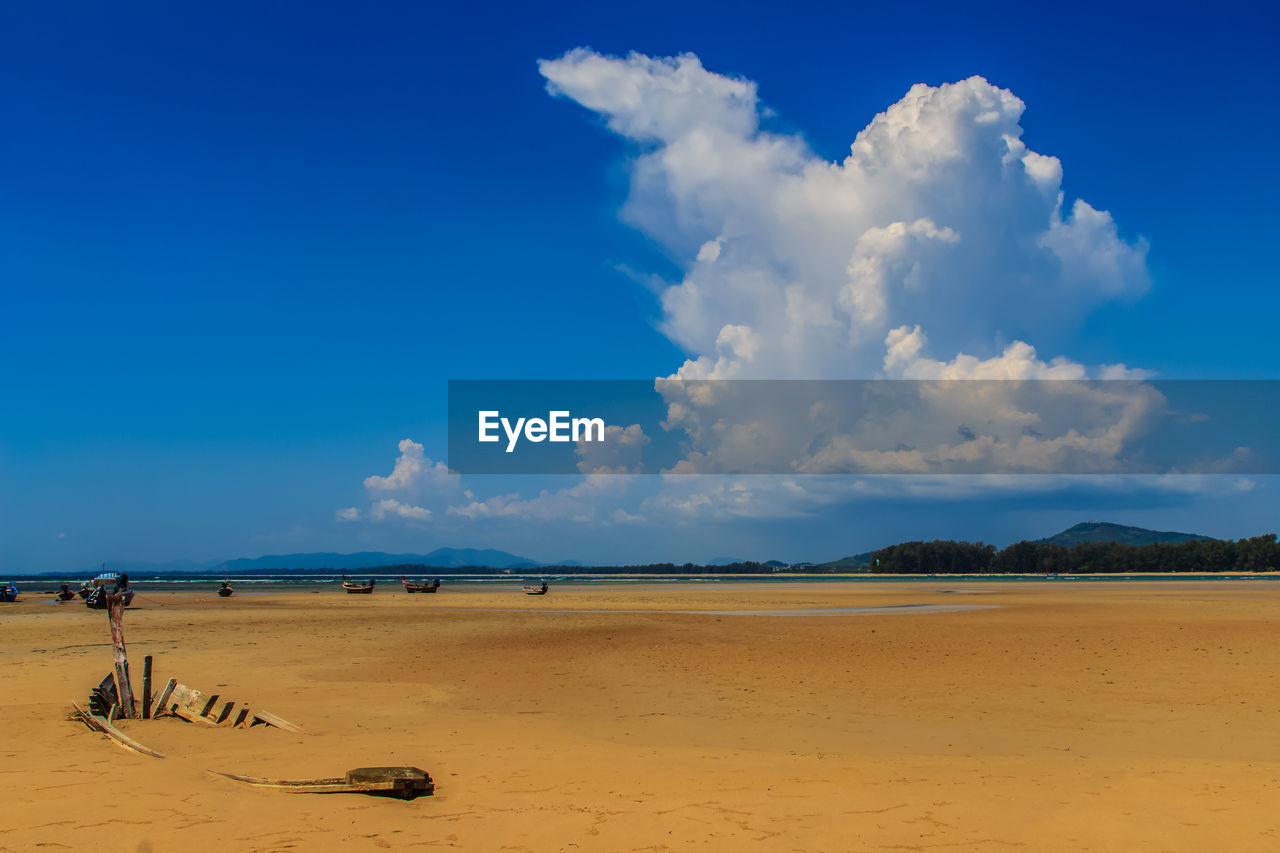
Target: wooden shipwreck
113,698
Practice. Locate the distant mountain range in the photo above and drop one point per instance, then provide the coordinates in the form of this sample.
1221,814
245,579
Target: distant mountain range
1089,531
440,558
1105,531
445,558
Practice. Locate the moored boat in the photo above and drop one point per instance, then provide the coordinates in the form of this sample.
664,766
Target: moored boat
410,586
108,584
358,588
536,590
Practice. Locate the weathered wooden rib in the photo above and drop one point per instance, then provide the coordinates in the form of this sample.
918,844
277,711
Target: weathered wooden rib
161,706
192,717
194,706
278,722
208,705
403,782
189,704
101,724
103,697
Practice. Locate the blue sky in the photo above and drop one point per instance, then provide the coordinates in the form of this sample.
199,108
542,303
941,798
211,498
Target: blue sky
244,246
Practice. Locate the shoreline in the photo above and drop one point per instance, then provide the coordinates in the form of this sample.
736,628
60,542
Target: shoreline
310,580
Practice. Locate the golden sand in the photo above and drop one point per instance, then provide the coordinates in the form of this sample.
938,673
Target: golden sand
1072,716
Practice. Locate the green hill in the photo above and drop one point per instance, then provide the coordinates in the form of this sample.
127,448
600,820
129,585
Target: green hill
854,563
1103,531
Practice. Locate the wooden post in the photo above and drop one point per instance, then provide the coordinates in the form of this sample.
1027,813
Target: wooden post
146,687
115,614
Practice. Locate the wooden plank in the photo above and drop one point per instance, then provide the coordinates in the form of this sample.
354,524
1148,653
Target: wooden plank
191,716
104,696
225,712
186,697
164,697
242,717
101,725
146,687
278,722
108,686
115,615
208,705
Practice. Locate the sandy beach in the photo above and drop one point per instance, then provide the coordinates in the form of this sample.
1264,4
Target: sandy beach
1068,716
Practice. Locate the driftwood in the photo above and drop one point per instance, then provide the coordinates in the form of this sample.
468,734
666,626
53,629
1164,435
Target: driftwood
115,614
104,725
403,782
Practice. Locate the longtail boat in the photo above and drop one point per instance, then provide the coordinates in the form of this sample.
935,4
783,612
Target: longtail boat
364,588
410,586
536,590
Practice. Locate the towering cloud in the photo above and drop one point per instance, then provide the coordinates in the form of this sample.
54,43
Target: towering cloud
940,247
939,226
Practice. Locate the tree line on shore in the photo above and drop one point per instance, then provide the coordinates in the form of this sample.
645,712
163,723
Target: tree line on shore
945,557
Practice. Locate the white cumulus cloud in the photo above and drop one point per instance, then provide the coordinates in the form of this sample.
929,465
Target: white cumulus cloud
392,508
940,247
939,217
412,470
416,489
